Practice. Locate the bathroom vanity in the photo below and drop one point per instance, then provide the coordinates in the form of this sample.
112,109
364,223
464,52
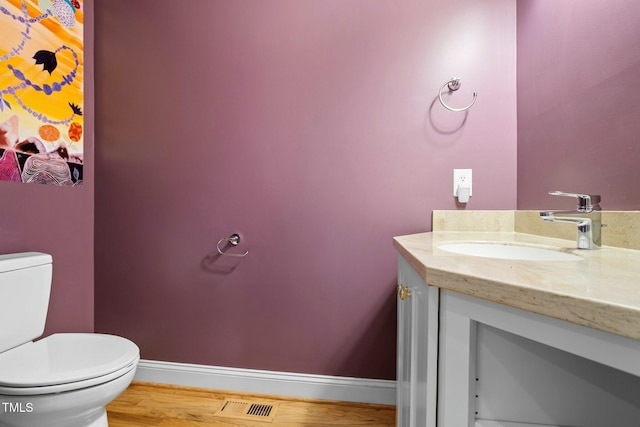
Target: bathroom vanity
495,342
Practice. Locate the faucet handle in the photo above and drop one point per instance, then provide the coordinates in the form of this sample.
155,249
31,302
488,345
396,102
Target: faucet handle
586,202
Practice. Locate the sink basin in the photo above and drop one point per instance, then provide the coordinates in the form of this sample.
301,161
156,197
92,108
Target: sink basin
508,251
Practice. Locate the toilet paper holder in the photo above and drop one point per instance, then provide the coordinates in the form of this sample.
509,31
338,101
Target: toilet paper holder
233,240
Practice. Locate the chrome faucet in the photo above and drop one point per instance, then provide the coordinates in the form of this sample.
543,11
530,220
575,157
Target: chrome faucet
587,217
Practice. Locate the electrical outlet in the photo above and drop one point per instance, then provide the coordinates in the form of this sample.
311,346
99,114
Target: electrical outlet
462,177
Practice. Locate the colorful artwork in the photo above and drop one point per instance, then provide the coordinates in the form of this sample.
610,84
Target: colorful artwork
41,91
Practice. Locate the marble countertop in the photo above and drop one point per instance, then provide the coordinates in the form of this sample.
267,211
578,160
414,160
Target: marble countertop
601,291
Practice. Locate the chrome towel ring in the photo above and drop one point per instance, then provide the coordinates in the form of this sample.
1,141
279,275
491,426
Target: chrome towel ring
233,240
454,84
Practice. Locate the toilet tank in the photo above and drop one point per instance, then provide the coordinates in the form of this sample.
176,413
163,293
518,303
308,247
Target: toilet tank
25,284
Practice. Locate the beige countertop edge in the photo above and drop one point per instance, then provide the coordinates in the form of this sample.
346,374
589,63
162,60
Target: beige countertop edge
620,317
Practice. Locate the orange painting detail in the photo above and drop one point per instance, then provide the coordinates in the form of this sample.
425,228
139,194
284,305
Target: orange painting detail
49,133
75,132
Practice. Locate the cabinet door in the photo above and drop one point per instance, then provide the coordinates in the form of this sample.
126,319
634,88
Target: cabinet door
417,349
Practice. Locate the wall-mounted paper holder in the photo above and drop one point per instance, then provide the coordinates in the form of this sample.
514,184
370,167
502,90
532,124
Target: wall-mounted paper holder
233,240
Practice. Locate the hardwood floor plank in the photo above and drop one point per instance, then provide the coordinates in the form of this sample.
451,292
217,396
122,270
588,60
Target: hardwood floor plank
148,404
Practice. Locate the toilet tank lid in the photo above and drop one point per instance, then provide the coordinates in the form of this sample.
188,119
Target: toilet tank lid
10,262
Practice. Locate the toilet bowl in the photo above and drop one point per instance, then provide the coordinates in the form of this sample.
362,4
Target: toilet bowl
63,380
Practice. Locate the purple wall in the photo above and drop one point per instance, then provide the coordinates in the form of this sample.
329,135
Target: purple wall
313,130
578,109
60,221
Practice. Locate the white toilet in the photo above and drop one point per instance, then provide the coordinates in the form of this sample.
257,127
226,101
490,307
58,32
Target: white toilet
63,380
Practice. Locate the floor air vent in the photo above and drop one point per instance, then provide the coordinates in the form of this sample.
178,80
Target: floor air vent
247,410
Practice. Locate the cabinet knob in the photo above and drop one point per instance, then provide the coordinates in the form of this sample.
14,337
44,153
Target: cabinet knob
403,292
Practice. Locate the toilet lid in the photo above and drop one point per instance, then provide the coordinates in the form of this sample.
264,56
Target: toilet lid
65,358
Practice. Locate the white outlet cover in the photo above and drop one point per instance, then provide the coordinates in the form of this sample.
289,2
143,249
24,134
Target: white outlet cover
461,176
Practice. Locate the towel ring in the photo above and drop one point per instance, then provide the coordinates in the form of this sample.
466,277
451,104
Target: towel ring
454,84
233,240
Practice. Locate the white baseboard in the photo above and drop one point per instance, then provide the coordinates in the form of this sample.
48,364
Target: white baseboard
269,382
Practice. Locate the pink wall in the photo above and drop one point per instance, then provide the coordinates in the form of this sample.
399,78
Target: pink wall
578,109
313,130
60,221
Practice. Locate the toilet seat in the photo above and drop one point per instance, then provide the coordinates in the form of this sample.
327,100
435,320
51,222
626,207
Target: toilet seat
59,388
63,362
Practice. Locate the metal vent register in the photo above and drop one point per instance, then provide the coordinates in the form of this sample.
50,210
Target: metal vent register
247,410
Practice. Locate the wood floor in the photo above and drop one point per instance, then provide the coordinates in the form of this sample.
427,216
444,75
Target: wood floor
147,404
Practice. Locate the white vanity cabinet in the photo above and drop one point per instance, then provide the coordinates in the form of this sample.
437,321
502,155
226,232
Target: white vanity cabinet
468,362
505,367
416,350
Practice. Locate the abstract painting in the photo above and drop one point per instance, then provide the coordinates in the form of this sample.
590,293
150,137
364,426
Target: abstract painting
41,91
